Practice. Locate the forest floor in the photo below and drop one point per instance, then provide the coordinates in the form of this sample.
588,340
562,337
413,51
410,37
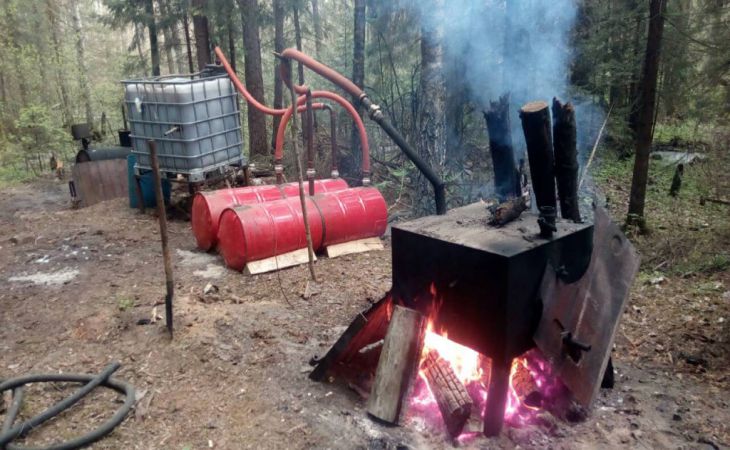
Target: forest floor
76,283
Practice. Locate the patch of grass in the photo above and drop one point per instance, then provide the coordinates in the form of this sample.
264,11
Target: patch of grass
10,176
125,303
684,237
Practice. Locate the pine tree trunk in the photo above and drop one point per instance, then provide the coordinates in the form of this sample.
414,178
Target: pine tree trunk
231,46
169,35
188,45
202,37
351,162
154,47
278,47
317,29
432,118
81,62
298,41
645,115
60,79
258,144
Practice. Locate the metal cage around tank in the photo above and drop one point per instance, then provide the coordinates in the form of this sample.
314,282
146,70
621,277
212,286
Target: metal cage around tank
194,119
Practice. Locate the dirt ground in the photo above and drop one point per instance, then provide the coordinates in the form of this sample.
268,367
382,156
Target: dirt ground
76,283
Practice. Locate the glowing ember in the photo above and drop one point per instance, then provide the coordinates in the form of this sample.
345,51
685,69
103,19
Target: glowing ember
529,378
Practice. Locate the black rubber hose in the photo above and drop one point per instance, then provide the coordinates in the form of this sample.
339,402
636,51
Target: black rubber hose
103,430
13,410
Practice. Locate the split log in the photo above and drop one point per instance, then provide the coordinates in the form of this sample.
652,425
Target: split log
398,365
538,137
508,211
368,327
566,159
506,179
451,395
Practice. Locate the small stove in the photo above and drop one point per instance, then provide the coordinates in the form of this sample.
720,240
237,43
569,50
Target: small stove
481,284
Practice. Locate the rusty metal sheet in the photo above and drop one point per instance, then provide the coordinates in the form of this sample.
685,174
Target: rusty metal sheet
97,181
580,319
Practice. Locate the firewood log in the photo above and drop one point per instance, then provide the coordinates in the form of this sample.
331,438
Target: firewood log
451,396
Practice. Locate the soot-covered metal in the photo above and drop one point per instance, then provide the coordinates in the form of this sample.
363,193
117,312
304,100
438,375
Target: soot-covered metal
481,284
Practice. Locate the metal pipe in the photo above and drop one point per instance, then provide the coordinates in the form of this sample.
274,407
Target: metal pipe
376,115
333,140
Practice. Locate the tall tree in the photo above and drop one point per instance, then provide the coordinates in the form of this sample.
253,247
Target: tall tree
351,166
152,27
188,45
254,76
279,44
168,24
56,31
81,62
431,132
317,20
202,35
645,115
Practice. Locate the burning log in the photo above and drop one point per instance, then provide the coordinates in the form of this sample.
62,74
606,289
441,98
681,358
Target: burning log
506,177
451,395
536,126
508,211
398,365
566,159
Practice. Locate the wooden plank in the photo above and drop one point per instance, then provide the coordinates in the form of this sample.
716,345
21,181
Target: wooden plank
367,328
398,365
359,246
282,261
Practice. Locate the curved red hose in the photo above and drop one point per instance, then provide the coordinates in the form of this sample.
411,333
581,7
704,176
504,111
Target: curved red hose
323,70
242,89
279,152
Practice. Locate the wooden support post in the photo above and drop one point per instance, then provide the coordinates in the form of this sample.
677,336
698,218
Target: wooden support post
398,365
506,178
140,195
451,395
162,217
566,159
538,137
496,397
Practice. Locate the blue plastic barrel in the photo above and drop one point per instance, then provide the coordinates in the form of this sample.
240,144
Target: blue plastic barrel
146,181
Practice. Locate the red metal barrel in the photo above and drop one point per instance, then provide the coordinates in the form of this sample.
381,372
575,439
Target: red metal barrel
208,205
254,232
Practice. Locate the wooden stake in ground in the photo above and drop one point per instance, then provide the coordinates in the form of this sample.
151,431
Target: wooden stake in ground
566,159
298,158
451,396
398,365
162,217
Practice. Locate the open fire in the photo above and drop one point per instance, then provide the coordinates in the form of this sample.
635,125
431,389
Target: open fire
530,384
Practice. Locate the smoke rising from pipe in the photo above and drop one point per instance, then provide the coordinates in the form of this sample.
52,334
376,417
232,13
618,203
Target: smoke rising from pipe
520,47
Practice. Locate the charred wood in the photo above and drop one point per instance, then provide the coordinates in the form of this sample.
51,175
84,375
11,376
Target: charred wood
538,137
508,211
566,159
451,396
506,178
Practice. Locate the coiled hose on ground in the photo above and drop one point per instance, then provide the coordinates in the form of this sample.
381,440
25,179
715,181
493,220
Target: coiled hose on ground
10,432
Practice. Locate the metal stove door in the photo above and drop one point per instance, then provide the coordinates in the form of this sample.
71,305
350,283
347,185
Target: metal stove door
580,319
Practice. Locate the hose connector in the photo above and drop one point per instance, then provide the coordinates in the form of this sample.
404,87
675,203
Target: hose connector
366,180
335,174
311,173
279,171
